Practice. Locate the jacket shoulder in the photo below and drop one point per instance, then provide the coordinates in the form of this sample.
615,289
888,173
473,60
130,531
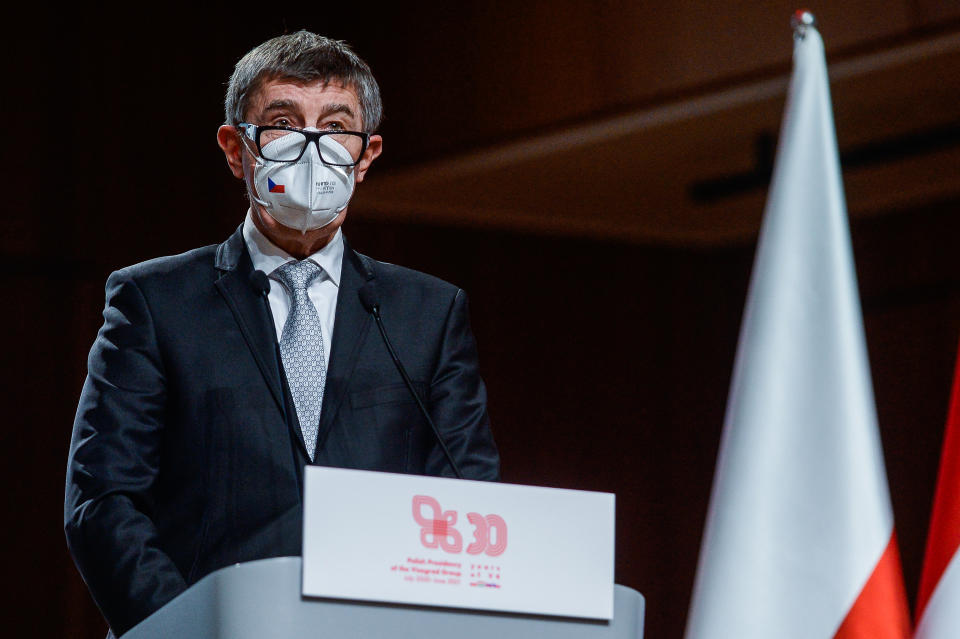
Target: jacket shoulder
394,277
171,269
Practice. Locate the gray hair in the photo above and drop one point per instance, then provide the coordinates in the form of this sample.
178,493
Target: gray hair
307,57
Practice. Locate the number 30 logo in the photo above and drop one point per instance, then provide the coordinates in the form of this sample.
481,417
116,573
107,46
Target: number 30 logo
437,529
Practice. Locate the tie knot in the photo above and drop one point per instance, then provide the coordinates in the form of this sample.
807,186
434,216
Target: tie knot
298,275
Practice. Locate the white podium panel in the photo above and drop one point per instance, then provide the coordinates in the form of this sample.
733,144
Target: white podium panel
433,541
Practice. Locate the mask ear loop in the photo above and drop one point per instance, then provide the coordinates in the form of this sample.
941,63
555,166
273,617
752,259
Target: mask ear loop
259,162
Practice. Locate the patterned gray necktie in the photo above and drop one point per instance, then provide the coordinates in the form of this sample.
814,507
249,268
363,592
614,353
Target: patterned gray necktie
301,347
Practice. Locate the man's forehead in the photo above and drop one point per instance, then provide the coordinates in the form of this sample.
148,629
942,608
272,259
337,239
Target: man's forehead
304,93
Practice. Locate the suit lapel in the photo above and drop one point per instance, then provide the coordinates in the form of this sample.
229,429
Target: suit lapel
351,324
252,316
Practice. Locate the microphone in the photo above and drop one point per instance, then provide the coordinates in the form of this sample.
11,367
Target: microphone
371,302
370,299
260,283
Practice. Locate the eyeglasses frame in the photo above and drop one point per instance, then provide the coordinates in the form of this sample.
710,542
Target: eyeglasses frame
312,136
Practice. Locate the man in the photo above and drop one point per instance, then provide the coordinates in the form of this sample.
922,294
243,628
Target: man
209,387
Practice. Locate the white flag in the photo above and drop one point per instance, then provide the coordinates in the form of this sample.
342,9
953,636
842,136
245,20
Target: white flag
799,541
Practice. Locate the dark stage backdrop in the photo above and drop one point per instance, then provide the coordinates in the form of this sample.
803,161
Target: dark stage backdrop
607,363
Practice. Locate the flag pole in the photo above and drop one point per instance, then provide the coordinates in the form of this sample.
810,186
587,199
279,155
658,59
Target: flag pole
800,21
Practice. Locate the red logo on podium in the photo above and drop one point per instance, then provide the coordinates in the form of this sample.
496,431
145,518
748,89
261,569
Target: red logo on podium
437,529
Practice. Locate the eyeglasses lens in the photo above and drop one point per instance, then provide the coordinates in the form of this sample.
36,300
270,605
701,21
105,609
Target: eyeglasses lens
337,149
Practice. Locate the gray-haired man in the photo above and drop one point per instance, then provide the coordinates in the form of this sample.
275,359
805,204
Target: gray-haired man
210,386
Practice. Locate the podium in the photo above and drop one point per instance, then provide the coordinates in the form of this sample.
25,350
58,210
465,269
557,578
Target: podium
262,600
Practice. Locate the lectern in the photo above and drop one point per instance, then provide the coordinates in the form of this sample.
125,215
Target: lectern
262,600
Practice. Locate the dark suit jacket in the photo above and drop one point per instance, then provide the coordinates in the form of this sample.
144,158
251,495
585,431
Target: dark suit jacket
186,454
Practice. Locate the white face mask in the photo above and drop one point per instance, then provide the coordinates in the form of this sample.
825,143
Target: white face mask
306,194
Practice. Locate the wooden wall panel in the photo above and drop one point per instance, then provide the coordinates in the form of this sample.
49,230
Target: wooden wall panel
680,46
931,12
508,69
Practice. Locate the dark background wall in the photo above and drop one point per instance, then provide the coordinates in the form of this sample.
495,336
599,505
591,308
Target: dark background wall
607,360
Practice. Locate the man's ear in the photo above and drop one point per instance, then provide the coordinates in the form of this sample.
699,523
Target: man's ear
374,149
229,140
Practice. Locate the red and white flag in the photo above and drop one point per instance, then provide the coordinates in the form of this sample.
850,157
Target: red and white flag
938,601
799,541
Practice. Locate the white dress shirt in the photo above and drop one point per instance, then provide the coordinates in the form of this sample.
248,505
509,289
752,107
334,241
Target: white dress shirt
268,257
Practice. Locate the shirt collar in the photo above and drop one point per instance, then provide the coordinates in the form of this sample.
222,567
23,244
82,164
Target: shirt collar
268,257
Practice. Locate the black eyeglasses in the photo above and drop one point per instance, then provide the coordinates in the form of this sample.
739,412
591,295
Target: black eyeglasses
288,144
